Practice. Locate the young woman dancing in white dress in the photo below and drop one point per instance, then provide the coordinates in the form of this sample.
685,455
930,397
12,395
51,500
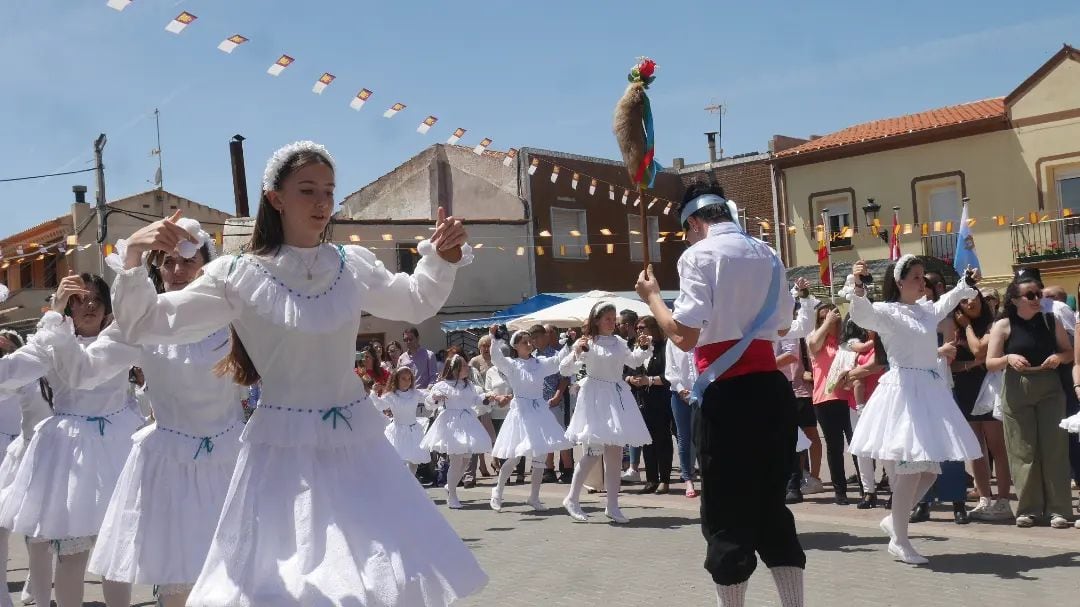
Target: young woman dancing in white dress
401,400
606,416
162,515
530,430
300,524
76,455
911,422
456,432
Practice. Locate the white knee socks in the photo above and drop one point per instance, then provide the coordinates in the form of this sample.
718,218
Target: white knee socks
70,571
537,478
612,482
41,572
907,489
789,583
731,596
453,477
117,594
581,470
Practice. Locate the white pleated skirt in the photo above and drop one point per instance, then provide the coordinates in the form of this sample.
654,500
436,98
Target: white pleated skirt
318,516
529,430
457,432
607,414
912,417
166,505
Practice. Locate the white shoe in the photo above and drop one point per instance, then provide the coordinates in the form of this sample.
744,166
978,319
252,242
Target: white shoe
886,526
631,476
983,511
812,485
906,554
616,515
452,500
537,505
496,501
1002,510
574,510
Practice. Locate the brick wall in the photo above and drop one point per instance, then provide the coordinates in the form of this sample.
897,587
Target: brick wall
749,184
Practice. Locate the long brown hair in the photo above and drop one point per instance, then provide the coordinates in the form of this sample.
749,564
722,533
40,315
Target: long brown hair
266,239
592,328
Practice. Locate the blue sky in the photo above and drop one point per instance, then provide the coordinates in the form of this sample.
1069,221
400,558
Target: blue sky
541,74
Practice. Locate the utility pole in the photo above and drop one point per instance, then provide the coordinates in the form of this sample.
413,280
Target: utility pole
158,178
719,110
102,232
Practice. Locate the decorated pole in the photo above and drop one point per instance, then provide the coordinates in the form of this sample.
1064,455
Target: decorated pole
633,126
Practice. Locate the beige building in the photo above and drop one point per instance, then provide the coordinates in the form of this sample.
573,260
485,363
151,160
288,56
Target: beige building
391,214
1015,157
35,259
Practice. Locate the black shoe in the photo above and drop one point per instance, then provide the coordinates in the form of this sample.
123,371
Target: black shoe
883,485
566,478
794,496
648,488
888,504
960,514
549,476
868,501
520,480
469,484
920,514
842,499
853,480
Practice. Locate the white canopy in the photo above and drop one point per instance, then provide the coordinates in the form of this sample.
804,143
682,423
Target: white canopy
574,313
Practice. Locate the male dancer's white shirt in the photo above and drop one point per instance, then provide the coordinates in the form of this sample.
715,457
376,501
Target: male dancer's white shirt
723,282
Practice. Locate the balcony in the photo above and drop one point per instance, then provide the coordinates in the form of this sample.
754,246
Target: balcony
941,246
1046,241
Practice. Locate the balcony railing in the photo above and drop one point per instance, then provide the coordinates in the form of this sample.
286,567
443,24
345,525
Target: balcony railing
1046,240
942,246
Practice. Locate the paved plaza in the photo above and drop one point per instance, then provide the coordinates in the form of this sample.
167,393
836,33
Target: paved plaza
547,560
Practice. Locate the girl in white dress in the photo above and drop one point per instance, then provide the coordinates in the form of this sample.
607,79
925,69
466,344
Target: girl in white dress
74,459
161,518
404,432
911,422
530,430
457,431
26,406
606,416
301,524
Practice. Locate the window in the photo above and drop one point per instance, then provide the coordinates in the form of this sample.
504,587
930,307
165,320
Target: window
944,203
634,223
569,233
838,212
1068,189
407,257
50,279
26,274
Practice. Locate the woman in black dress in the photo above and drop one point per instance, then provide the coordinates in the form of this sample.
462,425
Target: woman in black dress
652,392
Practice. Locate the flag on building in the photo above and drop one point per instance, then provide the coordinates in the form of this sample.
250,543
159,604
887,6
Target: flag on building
323,82
824,263
229,44
182,20
394,109
118,4
511,154
894,237
279,66
534,165
360,99
965,245
456,137
574,180
426,125
480,147
554,173
592,187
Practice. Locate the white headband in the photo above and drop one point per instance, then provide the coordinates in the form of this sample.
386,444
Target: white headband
899,267
709,200
280,157
516,335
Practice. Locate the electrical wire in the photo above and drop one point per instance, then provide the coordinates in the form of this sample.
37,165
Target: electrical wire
10,179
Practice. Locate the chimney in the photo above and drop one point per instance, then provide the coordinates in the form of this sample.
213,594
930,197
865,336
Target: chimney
712,146
240,193
80,193
678,163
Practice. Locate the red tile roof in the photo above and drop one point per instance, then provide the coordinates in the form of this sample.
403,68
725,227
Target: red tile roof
893,127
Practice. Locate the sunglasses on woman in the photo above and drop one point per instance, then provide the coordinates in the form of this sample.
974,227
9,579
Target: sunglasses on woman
1032,295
